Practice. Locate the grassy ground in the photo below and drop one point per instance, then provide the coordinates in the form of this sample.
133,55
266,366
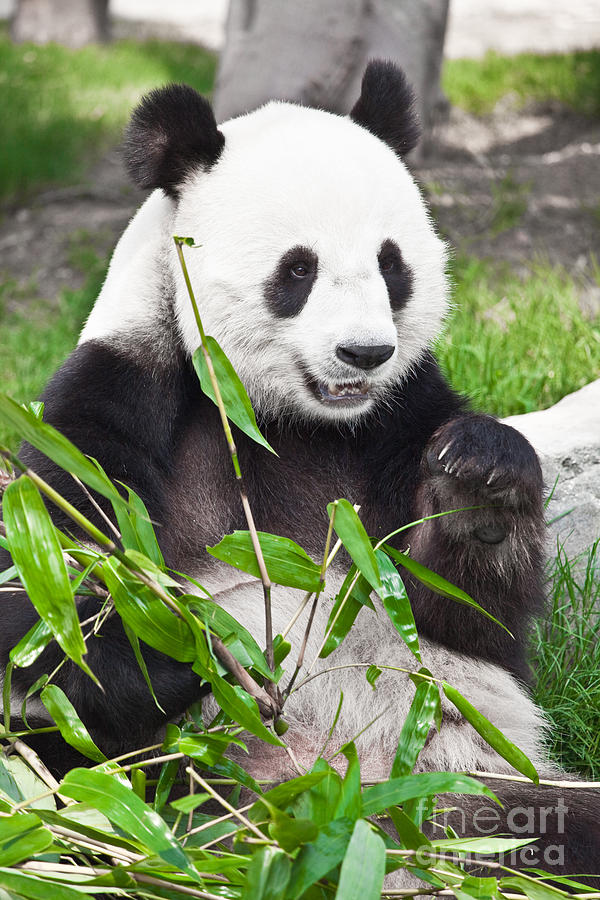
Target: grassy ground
59,108
567,653
517,344
39,337
572,79
514,343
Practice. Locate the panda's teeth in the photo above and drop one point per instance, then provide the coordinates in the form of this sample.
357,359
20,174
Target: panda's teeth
346,390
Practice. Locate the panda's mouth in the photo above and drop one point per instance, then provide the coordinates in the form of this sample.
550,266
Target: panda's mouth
345,392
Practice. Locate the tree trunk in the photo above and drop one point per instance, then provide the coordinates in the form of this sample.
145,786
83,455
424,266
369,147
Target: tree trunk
73,23
315,53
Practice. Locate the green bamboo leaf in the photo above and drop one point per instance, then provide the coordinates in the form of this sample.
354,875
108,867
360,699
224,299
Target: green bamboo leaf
147,615
22,884
426,784
37,554
224,625
21,837
349,804
235,399
281,796
137,652
287,563
363,868
19,782
137,530
396,603
439,585
69,724
207,748
319,802
227,768
372,674
492,735
268,875
535,890
57,447
424,710
483,845
360,595
8,574
125,809
319,857
352,534
344,622
168,773
190,802
290,833
242,708
410,835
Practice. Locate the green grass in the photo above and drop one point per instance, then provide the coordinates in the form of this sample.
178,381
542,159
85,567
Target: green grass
566,650
60,108
572,79
517,344
36,340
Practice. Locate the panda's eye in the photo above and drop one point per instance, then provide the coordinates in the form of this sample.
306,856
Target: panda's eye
299,270
388,264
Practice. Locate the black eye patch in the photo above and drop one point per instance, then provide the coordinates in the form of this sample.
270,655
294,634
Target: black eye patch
288,288
396,273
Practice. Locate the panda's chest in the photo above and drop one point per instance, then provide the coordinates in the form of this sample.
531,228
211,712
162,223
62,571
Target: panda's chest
288,493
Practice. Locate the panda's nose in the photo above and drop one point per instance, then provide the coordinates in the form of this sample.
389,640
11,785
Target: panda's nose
365,357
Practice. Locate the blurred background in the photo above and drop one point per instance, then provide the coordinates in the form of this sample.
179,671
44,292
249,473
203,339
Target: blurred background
509,96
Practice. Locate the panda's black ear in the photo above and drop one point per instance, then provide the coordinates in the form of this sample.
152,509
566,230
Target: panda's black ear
386,106
171,133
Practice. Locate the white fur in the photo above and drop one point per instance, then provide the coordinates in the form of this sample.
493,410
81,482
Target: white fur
287,176
311,710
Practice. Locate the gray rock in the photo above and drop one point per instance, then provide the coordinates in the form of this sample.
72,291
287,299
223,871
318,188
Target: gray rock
315,53
567,440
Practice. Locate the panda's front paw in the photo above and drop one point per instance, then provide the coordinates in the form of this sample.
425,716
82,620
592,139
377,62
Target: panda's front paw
476,461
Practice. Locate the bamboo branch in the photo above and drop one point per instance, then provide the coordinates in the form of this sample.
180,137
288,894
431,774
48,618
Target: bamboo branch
264,575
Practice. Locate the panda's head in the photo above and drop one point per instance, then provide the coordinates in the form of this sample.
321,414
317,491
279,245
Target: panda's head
318,270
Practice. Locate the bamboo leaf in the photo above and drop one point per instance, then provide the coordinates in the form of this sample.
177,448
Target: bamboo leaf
424,710
492,735
352,534
23,884
37,554
56,447
319,857
349,804
268,875
69,724
437,584
287,563
125,809
22,837
396,603
235,398
242,708
147,615
363,868
426,784
224,625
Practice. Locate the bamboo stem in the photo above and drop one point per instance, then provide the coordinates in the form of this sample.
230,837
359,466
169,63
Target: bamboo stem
264,575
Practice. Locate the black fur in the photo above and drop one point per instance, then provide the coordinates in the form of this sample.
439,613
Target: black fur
386,107
286,291
396,273
171,132
145,424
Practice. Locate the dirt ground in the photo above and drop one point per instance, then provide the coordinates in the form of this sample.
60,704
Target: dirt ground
516,185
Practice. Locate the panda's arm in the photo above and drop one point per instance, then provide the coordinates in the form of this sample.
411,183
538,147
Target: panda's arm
124,409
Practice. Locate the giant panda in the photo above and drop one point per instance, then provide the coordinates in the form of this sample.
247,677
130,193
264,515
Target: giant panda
320,273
